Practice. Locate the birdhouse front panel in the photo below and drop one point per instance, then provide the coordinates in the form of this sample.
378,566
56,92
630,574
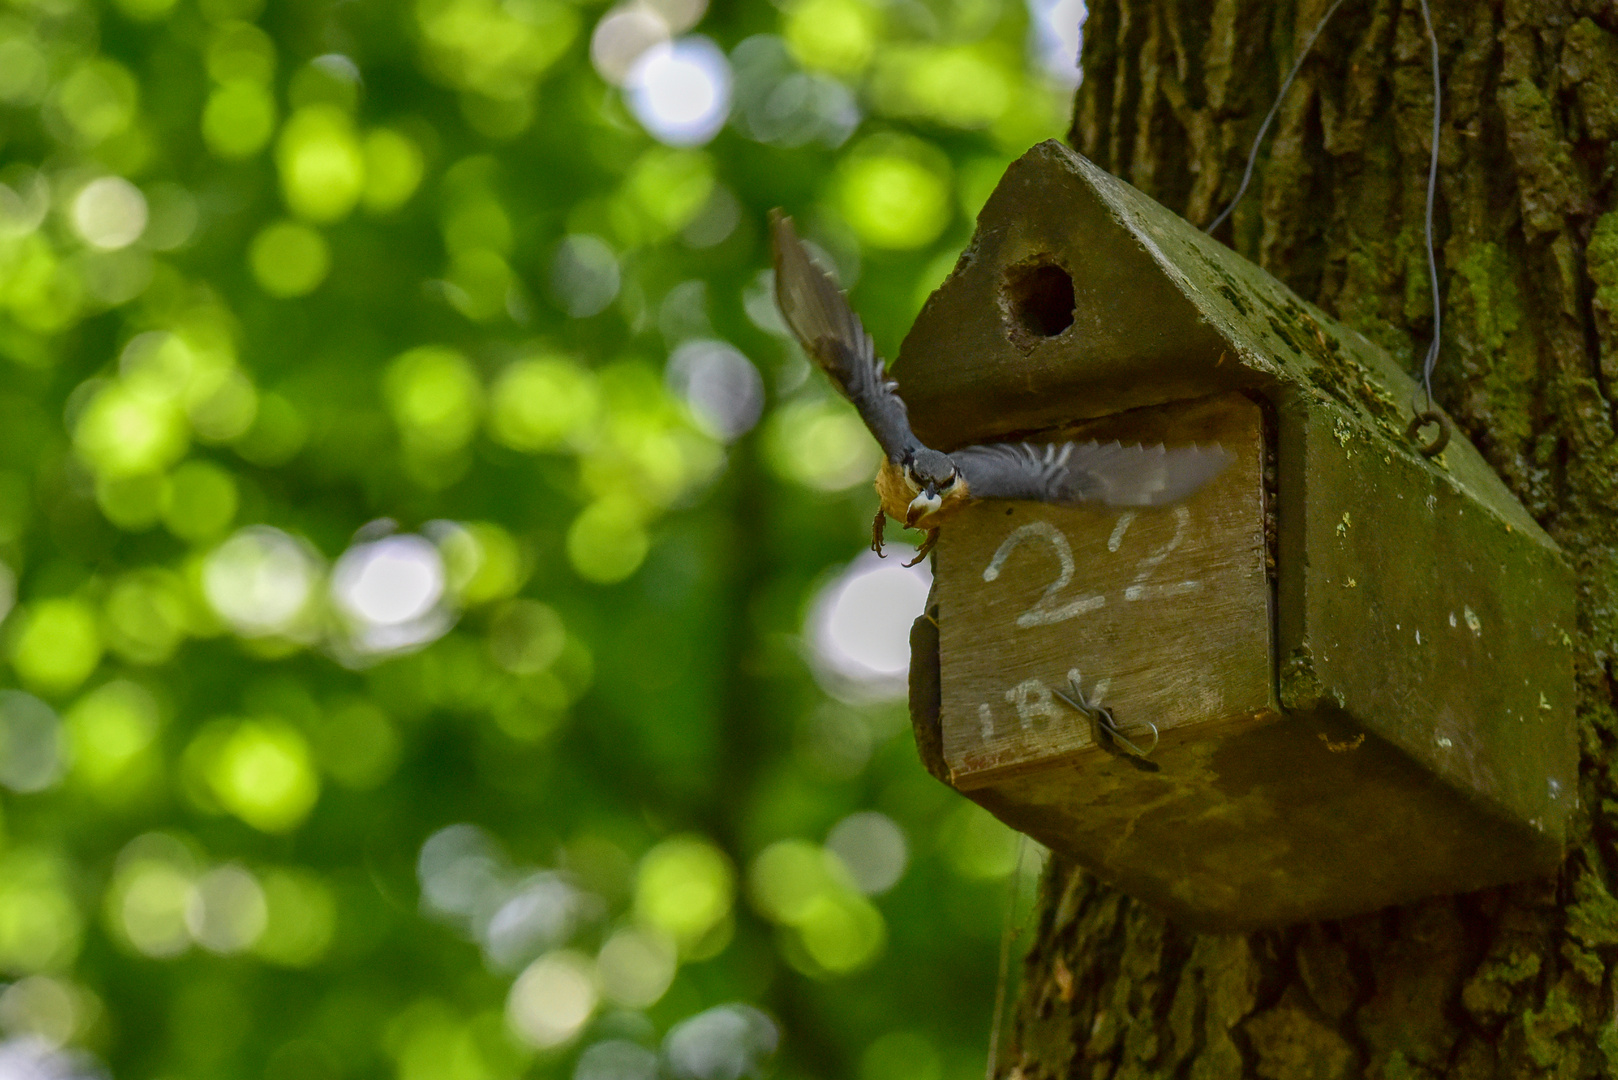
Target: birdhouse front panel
1159,614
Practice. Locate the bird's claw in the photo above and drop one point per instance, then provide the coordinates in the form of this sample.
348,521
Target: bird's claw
925,548
879,525
1105,731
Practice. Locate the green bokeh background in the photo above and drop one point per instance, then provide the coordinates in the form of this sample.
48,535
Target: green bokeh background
278,281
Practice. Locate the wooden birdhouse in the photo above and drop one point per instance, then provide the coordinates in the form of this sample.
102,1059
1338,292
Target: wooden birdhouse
1356,658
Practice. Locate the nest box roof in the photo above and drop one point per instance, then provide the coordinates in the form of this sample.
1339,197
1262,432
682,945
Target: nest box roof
1080,297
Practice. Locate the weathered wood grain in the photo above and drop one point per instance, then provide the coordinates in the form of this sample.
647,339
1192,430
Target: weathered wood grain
1161,614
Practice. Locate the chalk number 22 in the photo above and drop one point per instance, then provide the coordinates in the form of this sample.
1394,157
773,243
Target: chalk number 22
1050,608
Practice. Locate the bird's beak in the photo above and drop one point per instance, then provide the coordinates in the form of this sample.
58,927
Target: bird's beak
926,503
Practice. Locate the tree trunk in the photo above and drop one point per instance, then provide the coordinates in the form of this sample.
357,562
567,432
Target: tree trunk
1511,982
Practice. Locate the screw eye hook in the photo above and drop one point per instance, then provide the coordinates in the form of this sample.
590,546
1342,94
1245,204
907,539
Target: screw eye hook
1428,418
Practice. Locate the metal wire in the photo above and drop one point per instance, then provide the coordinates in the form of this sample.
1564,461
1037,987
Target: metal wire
1424,412
1432,188
1263,129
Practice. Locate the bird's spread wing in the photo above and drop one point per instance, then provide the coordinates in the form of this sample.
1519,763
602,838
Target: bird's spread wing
1108,473
834,338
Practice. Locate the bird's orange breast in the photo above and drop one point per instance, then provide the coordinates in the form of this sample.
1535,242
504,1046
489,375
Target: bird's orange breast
894,490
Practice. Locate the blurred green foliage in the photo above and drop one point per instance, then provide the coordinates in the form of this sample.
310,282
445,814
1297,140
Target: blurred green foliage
413,524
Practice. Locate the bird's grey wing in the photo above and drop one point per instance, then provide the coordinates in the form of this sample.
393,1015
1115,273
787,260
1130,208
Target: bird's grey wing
1108,473
834,338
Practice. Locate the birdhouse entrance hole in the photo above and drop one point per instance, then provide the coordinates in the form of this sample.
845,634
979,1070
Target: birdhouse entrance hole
1038,300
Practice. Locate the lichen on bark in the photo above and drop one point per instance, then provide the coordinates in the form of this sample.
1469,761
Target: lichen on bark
1509,982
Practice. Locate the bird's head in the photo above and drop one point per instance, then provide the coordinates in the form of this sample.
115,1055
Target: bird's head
932,476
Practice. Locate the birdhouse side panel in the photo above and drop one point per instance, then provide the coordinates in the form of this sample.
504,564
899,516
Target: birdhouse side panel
1440,627
1160,614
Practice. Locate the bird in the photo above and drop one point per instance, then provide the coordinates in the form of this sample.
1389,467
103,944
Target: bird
923,487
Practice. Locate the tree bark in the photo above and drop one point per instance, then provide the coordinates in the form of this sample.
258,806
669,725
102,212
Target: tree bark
1510,982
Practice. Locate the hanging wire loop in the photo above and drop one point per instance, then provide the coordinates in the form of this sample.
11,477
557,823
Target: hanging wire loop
1427,415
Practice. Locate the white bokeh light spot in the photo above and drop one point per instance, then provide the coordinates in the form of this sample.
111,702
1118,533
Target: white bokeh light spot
552,999
390,592
636,966
1056,28
872,846
622,35
539,912
680,90
31,1057
585,275
110,213
31,744
260,581
860,627
460,869
723,1043
226,911
721,386
389,582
